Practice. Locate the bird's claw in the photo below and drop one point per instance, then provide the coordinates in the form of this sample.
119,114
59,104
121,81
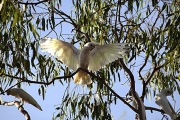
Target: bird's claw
20,106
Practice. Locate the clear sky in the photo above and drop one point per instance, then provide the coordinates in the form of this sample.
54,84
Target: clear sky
55,92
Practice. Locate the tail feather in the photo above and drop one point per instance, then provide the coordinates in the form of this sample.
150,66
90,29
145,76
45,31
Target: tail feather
82,78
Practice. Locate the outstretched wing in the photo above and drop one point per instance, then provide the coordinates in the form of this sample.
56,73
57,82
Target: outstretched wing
105,54
63,51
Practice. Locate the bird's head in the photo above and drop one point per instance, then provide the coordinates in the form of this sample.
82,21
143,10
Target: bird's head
12,91
91,45
8,92
167,91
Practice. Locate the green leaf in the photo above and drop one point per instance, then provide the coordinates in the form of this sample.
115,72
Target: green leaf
43,91
164,6
34,54
43,24
15,18
37,21
154,2
52,19
130,5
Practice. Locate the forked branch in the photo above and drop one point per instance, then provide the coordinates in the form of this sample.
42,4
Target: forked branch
18,105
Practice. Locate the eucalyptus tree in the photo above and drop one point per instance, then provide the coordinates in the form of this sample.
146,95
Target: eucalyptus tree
151,28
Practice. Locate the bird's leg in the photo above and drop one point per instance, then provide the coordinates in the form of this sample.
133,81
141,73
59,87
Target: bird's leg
162,112
21,104
164,116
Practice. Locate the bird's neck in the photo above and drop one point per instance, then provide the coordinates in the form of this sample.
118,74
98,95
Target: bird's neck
85,49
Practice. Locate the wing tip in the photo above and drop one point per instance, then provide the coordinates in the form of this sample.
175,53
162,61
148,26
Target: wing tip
40,108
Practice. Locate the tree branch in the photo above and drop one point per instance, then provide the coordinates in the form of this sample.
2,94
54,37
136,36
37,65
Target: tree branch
73,23
20,108
103,82
148,80
143,81
36,3
37,82
133,89
141,68
69,76
155,109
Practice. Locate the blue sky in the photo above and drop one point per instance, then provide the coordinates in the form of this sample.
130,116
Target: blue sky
55,92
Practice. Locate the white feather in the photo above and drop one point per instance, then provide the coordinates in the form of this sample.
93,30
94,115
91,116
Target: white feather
91,57
23,96
102,55
63,51
162,101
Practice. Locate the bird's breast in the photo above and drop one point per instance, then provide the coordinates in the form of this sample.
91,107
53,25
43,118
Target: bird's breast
84,58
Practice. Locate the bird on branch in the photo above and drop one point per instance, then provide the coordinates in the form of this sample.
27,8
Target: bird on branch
23,96
91,57
162,101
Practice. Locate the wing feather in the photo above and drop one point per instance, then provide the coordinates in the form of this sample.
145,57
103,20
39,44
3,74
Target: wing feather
102,55
63,51
24,96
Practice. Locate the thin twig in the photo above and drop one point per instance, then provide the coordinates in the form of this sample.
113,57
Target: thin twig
149,79
35,3
73,23
142,67
155,109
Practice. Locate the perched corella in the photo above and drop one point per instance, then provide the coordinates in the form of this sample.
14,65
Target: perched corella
91,57
163,102
23,96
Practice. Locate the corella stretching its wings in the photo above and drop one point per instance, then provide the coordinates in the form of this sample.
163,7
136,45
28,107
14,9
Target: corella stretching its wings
163,102
23,96
91,57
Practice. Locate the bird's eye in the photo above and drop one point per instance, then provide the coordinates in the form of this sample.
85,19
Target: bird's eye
90,45
169,92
